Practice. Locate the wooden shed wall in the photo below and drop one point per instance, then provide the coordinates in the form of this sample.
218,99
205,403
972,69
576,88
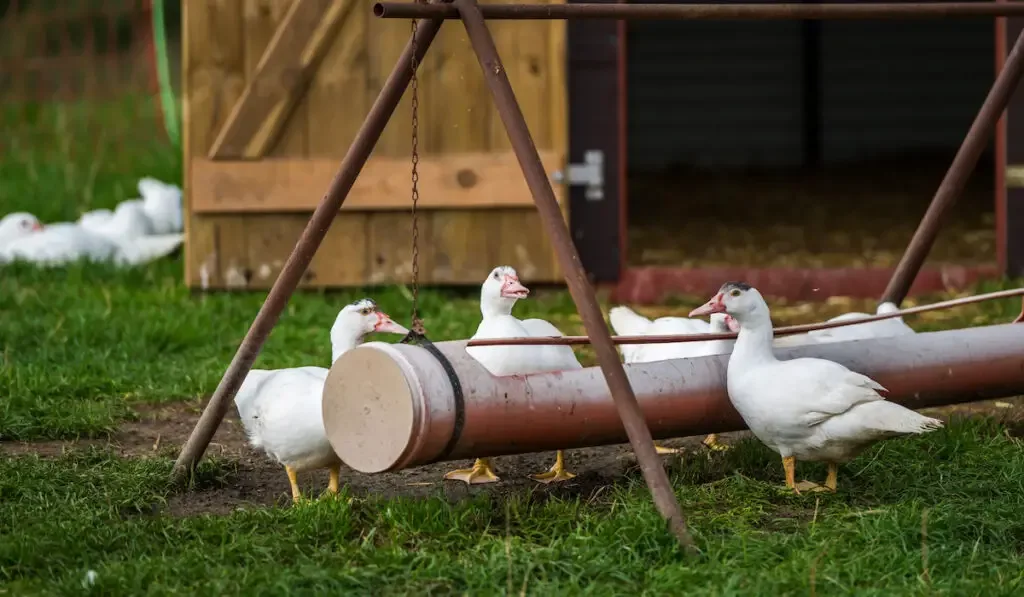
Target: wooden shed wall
246,214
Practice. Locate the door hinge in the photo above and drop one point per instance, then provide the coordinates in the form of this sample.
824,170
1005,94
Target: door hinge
589,174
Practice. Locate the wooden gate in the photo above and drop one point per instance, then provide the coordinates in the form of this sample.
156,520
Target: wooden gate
275,91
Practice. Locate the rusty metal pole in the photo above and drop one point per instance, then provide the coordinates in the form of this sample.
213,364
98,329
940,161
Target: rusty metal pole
751,11
956,177
576,279
321,220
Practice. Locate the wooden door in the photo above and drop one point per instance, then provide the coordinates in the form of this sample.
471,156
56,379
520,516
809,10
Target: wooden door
275,92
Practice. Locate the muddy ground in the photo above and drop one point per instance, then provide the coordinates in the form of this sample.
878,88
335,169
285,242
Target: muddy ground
257,480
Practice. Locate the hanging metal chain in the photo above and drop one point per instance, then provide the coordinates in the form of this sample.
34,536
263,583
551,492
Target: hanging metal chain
417,323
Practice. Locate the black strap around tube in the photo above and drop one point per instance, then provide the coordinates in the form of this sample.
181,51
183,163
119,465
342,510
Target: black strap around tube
420,340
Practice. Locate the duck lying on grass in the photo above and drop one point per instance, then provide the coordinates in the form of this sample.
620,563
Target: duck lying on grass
806,408
281,408
627,322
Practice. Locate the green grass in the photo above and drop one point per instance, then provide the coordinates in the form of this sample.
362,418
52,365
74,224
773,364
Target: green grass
963,486
84,345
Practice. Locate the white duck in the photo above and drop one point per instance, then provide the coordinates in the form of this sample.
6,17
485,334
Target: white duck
128,220
627,322
94,217
805,408
281,408
498,295
162,203
59,244
17,225
871,329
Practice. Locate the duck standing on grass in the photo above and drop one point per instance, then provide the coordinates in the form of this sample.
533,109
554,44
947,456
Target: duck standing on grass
498,295
806,408
281,408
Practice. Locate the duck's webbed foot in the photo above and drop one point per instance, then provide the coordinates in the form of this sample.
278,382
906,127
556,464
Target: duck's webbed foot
711,441
479,474
666,450
556,473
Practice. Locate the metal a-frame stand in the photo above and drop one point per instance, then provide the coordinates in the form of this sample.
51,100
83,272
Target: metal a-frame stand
473,17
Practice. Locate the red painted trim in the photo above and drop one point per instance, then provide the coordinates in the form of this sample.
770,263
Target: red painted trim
623,164
650,285
1000,151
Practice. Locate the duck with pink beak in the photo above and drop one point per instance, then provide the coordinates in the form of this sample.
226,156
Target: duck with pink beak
498,294
281,409
803,408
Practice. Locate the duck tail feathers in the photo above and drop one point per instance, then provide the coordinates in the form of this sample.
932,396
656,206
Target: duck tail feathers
627,322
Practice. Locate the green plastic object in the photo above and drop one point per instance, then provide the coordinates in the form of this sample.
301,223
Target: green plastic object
163,72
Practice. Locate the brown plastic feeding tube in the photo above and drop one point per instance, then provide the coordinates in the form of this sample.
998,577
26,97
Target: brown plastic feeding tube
391,406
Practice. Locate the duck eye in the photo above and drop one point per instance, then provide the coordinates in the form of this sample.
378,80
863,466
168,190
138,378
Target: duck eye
735,292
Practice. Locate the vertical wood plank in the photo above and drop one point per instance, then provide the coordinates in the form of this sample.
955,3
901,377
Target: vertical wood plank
339,96
231,245
385,42
261,20
341,259
389,240
271,238
465,242
390,247
198,240
506,38
214,78
337,102
465,246
528,71
558,102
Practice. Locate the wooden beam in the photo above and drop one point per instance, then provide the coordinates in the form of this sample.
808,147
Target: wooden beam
280,78
453,181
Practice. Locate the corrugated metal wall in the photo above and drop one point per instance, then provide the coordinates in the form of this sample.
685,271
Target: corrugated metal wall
714,93
901,86
732,94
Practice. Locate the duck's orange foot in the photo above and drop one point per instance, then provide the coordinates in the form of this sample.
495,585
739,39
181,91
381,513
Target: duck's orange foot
711,441
480,473
556,473
803,486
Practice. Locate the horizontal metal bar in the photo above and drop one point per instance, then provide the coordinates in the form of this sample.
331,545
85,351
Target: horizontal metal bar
720,12
783,331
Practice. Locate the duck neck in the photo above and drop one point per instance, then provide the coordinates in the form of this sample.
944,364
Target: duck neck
754,343
496,306
344,339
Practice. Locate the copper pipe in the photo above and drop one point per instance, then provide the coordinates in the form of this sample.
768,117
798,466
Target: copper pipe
321,220
390,406
632,418
719,12
782,331
956,177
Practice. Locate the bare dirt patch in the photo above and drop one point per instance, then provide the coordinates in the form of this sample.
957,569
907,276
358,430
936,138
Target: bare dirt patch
255,480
